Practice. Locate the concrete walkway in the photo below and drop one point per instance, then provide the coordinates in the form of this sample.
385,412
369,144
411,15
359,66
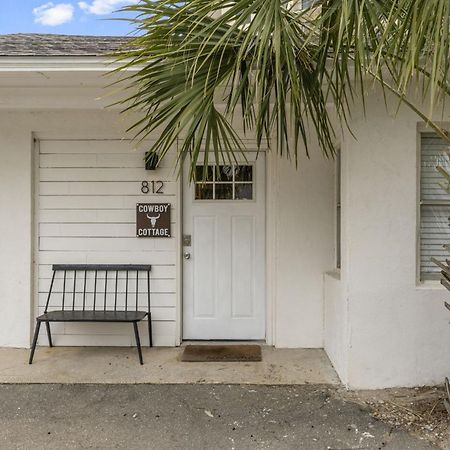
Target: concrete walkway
162,365
187,417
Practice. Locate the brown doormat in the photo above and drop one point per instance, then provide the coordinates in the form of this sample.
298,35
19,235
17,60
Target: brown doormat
221,353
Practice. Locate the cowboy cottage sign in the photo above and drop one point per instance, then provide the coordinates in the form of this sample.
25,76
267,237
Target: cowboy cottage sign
153,220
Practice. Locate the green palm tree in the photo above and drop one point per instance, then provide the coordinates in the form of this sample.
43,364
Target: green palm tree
276,66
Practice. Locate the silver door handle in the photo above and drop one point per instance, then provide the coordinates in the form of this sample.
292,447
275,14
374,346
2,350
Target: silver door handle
187,255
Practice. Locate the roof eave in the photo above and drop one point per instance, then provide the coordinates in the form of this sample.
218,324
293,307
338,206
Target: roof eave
57,64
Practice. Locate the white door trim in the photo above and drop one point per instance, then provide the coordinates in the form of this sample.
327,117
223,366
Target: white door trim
271,245
179,261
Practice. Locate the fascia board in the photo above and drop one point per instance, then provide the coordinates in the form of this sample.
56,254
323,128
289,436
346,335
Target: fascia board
58,64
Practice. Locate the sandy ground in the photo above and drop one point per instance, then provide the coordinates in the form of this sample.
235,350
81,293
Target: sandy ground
419,411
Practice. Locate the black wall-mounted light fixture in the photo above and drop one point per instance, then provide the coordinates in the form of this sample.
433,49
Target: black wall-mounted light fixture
151,160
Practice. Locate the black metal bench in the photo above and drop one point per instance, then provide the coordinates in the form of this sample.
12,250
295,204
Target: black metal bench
97,304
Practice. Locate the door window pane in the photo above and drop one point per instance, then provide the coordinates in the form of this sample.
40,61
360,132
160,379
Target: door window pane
200,174
243,191
204,191
243,173
224,173
224,191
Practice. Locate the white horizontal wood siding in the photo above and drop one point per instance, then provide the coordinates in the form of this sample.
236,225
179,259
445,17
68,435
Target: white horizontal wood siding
86,213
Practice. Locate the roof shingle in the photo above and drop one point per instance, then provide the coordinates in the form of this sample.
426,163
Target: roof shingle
58,45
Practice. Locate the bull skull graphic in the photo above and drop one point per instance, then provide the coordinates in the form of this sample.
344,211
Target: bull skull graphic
153,219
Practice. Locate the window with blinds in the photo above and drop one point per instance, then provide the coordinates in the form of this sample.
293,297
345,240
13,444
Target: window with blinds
434,205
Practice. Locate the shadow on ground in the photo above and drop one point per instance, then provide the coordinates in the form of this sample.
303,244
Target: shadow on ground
51,416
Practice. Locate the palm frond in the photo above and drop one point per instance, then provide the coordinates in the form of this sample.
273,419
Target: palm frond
202,63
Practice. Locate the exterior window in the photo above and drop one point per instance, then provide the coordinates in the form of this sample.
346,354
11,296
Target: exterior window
228,182
434,205
338,209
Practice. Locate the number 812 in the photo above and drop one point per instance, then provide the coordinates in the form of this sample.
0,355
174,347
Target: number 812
152,187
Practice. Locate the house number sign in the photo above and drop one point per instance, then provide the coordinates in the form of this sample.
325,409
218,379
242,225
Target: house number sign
152,187
153,220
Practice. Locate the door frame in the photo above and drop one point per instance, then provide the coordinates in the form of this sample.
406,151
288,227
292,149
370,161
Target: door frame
271,171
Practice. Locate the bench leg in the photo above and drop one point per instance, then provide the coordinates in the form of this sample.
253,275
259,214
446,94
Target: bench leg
49,334
150,340
138,341
35,338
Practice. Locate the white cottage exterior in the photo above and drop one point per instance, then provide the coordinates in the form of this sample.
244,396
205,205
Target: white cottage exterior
331,255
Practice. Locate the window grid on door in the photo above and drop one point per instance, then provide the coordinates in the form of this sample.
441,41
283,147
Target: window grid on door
224,182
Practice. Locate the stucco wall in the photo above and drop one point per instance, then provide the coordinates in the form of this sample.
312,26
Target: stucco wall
16,243
399,331
336,339
304,211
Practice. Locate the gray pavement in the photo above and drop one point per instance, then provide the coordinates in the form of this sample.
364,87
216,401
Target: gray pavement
191,416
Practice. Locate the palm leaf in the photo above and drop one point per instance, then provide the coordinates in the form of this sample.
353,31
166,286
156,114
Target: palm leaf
203,63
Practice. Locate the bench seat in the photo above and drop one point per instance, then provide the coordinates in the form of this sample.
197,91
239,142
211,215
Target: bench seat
97,293
92,316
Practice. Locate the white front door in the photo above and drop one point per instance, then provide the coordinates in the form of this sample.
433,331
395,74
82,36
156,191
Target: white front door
224,253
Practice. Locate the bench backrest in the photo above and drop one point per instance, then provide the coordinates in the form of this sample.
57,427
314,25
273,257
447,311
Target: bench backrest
117,287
